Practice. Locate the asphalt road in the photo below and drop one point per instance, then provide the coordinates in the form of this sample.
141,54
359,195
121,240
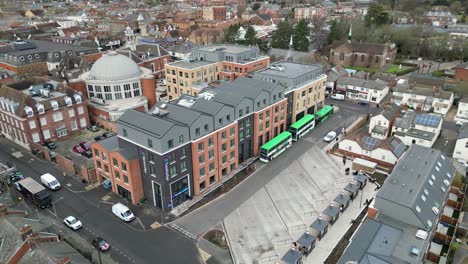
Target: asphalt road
207,217
128,244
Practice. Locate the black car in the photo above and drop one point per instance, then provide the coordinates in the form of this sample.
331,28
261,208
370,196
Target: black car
99,138
50,144
100,244
107,134
363,103
87,153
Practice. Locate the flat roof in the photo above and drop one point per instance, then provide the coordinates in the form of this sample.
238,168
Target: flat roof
191,64
289,70
225,48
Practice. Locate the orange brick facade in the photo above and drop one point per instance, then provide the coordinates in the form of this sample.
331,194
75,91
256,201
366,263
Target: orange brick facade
461,74
232,70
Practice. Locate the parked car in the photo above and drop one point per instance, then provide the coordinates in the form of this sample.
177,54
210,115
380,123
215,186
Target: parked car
87,153
73,223
330,136
363,103
78,149
85,145
338,96
50,144
100,244
122,212
93,128
107,184
49,181
99,138
107,134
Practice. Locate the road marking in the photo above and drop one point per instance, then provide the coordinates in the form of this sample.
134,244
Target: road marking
175,227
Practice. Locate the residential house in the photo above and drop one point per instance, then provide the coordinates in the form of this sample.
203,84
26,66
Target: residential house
462,111
362,54
461,146
362,89
418,188
332,76
38,110
417,128
440,18
380,125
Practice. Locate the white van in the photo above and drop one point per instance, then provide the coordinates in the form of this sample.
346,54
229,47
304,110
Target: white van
122,212
50,181
338,96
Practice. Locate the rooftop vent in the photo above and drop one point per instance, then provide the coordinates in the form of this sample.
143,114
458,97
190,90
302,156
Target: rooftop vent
421,234
163,106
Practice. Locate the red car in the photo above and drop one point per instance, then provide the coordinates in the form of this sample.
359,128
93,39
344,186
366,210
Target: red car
85,145
78,149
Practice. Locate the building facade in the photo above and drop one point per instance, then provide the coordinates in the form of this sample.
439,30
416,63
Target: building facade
421,97
362,89
461,146
39,110
370,55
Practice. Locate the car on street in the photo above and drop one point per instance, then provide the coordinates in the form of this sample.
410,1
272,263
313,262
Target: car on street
100,243
93,128
49,181
87,153
50,144
329,136
107,134
107,184
73,223
122,212
99,138
78,149
363,103
85,145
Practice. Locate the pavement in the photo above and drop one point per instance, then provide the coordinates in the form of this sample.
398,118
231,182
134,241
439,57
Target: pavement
130,243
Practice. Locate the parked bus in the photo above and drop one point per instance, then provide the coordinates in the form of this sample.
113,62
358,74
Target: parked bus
301,127
323,114
275,147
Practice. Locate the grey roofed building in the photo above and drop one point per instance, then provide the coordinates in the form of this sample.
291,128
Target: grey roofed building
463,132
423,91
331,211
390,111
319,225
291,257
306,240
336,72
113,143
157,127
352,188
406,120
422,172
190,64
365,83
417,133
342,199
379,130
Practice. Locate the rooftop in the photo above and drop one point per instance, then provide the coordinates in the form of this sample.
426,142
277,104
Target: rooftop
37,46
190,64
226,48
370,84
289,70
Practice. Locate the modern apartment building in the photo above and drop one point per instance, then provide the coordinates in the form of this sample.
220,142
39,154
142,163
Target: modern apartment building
212,63
304,86
191,145
37,110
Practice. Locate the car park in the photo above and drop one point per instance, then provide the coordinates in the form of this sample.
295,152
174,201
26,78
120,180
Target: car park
122,212
72,223
107,184
49,181
78,149
100,243
87,153
50,145
330,136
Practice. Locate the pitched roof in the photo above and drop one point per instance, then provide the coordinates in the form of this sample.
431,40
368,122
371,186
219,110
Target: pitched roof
370,84
149,124
361,47
463,132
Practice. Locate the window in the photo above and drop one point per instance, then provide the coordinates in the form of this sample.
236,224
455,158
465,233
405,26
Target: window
71,112
106,168
228,118
125,134
241,112
124,166
201,146
423,197
183,165
181,138
117,175
247,132
232,154
429,223
426,192
267,124
418,209
115,162
170,143
223,135
98,163
241,135
201,159
260,116
206,127
232,131
173,171
202,172
197,131
43,121
210,154
446,182
96,153
80,110
150,157
224,159
211,167
224,147
247,110
341,56
232,143
74,125
260,128
210,142
202,186
32,124
150,143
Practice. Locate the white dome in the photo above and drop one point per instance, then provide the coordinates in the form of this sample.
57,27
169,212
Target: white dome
113,66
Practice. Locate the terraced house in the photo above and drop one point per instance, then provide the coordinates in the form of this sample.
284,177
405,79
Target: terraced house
190,146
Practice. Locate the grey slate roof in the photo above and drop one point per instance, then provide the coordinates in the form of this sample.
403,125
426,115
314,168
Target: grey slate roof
406,120
351,188
290,69
370,84
336,72
421,171
306,239
342,199
319,224
179,114
331,211
379,130
127,150
148,124
463,132
422,134
291,257
390,111
206,106
423,91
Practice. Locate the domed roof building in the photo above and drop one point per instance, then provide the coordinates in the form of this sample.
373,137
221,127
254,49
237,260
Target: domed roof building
114,85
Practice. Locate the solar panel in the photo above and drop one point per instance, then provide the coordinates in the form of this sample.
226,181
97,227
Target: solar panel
427,120
370,143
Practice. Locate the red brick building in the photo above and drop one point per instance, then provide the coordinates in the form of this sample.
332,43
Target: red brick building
369,55
39,110
461,72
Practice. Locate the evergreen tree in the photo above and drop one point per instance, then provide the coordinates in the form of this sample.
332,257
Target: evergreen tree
250,37
231,34
376,15
280,38
300,34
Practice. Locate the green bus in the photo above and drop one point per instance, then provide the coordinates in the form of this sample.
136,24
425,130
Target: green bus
275,147
323,114
301,127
